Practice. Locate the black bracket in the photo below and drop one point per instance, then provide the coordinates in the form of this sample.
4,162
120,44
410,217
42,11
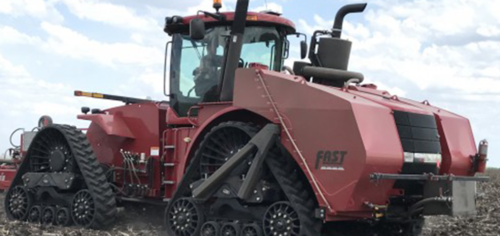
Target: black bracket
263,142
60,180
259,144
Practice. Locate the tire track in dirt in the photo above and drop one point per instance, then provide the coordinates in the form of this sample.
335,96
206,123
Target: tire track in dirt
142,223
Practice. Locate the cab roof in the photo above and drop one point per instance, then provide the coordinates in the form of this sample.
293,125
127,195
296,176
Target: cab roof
253,19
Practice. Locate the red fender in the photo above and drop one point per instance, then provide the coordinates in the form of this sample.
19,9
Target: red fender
111,124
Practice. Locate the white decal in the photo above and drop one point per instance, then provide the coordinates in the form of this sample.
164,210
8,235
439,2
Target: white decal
155,151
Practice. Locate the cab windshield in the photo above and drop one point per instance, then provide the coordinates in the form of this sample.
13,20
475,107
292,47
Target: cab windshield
197,65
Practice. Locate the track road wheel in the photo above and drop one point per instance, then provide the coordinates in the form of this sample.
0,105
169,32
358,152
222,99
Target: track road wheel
63,217
18,203
251,230
35,214
184,218
210,228
281,219
48,215
83,208
230,229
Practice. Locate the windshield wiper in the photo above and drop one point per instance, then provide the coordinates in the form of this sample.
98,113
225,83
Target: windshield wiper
196,48
213,15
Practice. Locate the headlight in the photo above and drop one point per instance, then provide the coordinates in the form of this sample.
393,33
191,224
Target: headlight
422,157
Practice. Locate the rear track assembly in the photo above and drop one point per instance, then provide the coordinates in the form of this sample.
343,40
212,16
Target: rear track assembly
86,198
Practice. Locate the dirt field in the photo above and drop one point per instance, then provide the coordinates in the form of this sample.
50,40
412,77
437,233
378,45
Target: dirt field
486,223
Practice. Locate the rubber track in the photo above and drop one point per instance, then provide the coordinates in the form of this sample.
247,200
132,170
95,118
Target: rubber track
285,170
94,176
91,171
193,167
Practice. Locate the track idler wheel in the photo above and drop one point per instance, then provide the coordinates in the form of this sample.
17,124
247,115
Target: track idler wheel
230,229
83,208
35,214
63,217
251,230
48,215
281,219
18,203
210,228
184,218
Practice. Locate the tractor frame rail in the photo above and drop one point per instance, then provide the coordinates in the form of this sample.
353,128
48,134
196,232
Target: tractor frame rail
427,177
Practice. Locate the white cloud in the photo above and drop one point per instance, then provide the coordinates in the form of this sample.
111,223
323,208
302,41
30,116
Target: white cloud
394,90
13,36
26,98
414,41
32,8
115,15
69,43
138,38
208,6
488,30
153,79
271,6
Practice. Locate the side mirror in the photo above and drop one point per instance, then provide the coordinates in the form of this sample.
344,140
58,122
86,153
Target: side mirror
197,29
303,49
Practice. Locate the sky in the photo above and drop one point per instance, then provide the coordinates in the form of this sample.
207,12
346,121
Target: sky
443,51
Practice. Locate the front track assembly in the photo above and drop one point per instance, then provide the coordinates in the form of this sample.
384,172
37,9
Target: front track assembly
61,182
243,184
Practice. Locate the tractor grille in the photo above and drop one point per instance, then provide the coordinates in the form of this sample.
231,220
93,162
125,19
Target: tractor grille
418,133
419,138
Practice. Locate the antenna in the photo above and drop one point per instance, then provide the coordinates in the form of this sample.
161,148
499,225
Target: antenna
267,8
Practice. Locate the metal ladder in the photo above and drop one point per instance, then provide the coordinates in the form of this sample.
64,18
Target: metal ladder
169,181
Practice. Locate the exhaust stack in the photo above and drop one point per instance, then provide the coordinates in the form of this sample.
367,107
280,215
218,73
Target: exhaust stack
330,55
344,11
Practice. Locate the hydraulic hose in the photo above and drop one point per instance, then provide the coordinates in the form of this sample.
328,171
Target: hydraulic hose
418,207
12,135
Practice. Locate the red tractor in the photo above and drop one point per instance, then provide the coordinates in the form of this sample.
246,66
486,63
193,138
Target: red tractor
246,147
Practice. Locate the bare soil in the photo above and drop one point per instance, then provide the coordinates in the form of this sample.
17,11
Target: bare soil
485,223
137,223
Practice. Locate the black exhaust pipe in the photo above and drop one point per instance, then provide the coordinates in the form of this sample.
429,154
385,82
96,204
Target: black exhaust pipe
233,51
339,18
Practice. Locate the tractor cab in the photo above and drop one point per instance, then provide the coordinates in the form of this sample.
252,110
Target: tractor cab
202,62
